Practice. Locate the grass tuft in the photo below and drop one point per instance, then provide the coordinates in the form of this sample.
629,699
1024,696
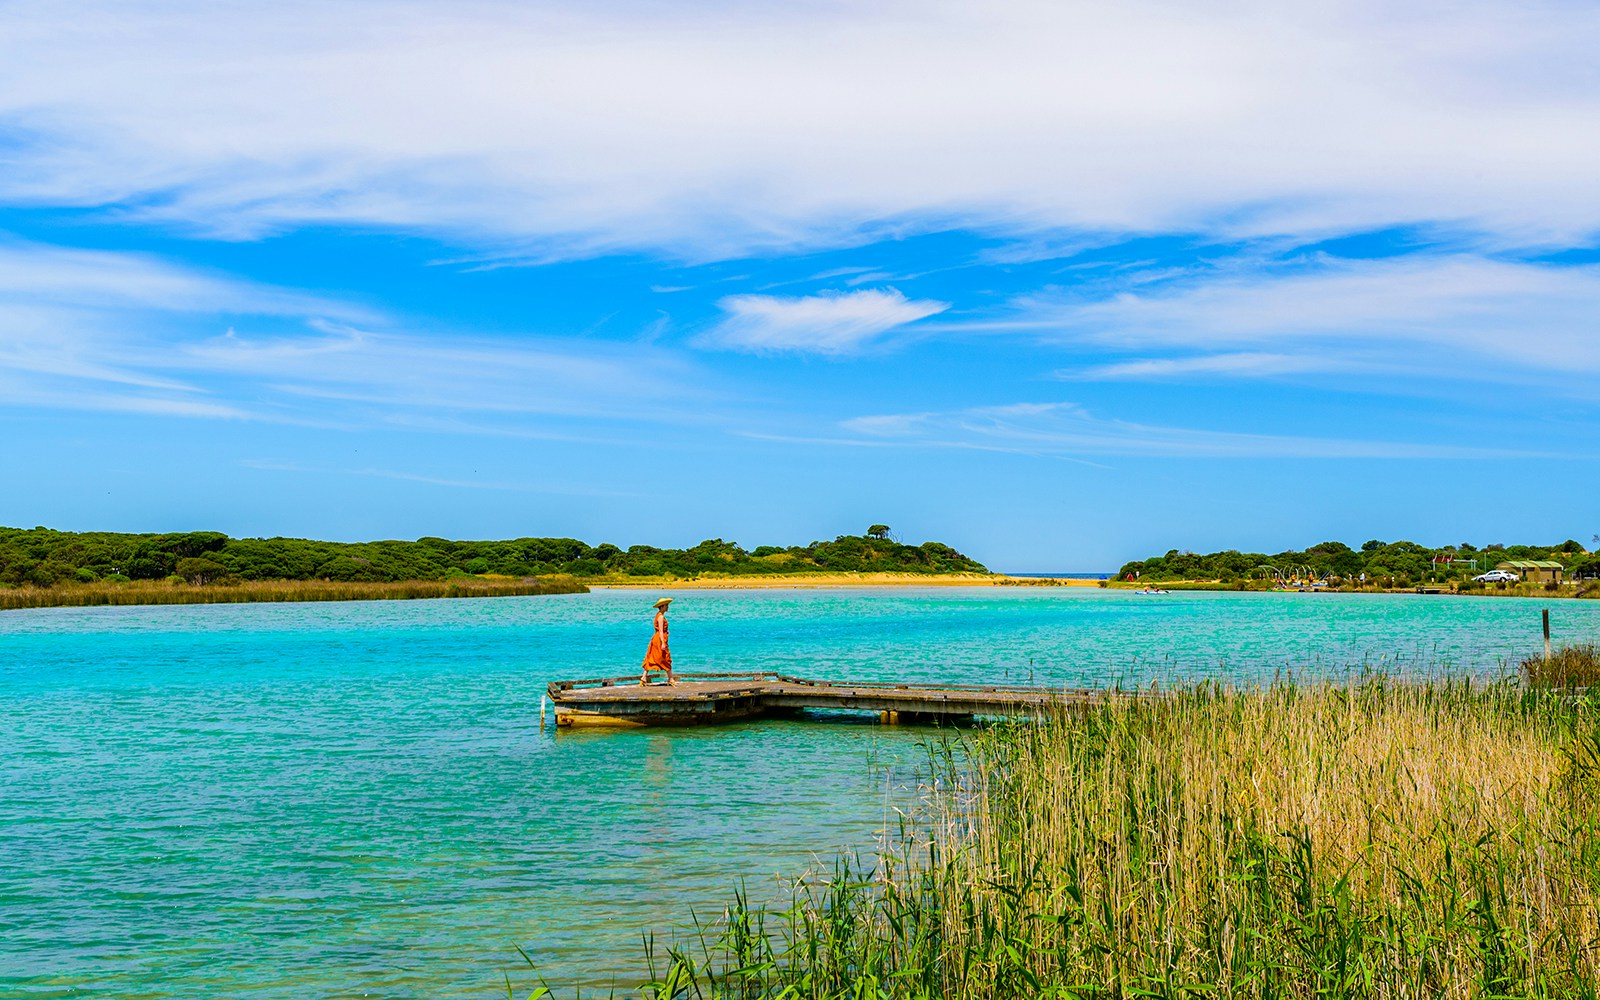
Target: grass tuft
1568,667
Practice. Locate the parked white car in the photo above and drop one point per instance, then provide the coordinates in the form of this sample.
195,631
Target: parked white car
1497,576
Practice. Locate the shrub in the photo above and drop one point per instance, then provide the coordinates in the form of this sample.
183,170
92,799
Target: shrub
347,569
1569,666
199,570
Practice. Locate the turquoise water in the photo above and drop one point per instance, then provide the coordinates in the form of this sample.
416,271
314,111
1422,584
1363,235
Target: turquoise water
355,799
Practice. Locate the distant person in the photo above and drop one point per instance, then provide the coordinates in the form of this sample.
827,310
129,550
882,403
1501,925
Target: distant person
659,655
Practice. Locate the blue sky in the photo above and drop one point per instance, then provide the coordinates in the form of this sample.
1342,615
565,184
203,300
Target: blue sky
1060,284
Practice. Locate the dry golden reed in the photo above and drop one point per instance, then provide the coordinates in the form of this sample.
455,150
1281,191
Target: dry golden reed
168,592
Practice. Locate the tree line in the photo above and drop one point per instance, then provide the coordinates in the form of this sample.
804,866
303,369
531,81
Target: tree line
43,557
1400,563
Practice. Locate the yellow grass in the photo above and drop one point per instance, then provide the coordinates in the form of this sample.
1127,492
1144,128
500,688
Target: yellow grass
167,592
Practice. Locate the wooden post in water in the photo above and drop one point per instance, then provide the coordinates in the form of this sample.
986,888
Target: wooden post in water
1547,633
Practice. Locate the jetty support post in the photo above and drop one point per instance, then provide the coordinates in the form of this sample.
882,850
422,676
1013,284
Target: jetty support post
1547,633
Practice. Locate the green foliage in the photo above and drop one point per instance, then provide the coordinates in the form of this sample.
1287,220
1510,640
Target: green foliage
41,557
1399,563
200,571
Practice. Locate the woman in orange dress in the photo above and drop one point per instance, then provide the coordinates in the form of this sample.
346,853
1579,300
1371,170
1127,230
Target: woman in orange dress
659,655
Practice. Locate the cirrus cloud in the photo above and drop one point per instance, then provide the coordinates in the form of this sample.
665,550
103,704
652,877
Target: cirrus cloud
1068,429
131,332
710,129
835,323
1423,314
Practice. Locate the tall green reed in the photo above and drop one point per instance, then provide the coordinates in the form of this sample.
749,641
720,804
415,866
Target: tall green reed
1370,840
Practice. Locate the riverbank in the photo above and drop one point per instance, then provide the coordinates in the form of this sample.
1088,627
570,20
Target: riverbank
1371,839
119,593
137,592
174,592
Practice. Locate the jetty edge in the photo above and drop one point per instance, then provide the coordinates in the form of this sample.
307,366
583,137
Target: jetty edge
709,698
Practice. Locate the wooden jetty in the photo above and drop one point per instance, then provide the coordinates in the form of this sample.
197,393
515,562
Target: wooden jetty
699,699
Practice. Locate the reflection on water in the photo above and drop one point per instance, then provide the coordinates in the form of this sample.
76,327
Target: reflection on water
356,799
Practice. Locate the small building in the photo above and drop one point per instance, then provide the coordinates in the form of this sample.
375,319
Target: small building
1534,570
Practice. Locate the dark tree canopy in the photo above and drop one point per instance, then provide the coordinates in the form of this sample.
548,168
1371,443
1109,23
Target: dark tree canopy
1398,562
42,557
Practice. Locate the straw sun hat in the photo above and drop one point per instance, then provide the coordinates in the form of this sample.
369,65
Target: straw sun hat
663,602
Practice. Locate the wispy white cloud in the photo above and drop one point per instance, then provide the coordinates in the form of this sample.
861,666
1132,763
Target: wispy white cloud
444,374
40,274
79,328
1237,365
34,392
427,480
1425,314
1069,429
709,128
830,323
93,330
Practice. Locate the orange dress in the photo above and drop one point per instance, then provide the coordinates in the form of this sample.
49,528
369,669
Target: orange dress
658,656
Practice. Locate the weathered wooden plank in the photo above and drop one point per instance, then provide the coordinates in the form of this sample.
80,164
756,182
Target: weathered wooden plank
698,699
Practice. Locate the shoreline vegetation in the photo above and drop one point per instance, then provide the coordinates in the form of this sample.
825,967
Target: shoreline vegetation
1376,567
1584,589
40,567
134,592
1374,838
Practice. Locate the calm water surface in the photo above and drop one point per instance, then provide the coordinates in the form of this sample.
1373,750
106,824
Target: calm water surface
355,799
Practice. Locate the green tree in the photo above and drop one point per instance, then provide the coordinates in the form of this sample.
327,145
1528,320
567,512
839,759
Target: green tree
879,531
199,570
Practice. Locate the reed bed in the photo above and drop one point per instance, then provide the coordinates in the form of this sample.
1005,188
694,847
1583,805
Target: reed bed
1376,839
1568,667
166,592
